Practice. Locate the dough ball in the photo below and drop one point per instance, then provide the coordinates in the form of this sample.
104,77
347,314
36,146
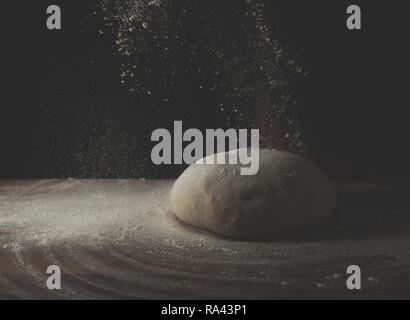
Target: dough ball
287,194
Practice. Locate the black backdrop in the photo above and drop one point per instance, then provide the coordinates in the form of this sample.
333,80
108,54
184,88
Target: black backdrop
354,100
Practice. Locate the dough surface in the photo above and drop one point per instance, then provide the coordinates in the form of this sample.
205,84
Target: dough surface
287,194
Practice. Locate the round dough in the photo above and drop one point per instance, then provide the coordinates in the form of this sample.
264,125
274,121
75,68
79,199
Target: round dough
287,194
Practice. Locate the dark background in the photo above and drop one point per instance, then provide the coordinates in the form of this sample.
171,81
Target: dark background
64,112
